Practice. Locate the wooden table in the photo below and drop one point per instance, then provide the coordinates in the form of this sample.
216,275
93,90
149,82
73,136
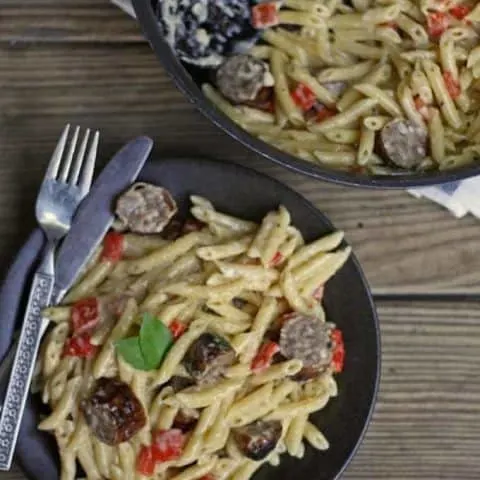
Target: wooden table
82,61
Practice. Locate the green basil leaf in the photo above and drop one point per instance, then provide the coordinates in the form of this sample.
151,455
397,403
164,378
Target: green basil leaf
155,341
130,351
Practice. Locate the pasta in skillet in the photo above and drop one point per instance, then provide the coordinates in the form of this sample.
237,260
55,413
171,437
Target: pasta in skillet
373,86
196,354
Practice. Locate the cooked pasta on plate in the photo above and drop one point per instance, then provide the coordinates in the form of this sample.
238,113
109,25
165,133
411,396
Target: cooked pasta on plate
379,86
192,350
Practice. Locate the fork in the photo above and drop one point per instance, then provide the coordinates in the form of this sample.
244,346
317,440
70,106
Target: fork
65,184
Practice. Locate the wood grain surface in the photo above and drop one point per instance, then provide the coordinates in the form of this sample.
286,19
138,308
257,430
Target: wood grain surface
83,61
71,21
405,245
425,426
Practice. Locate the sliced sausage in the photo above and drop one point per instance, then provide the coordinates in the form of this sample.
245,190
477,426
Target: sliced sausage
307,339
258,439
145,208
192,225
173,229
179,383
240,78
177,227
186,419
263,100
208,357
113,412
403,143
307,373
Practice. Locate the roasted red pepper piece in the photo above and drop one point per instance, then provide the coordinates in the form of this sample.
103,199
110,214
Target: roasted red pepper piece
276,260
460,11
167,444
145,461
437,23
79,346
324,113
265,15
303,97
452,85
85,315
177,328
338,356
264,356
113,247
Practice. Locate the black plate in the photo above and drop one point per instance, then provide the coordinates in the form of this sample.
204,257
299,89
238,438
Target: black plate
243,192
189,80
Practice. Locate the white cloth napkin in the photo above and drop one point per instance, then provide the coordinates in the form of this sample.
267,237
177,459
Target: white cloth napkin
459,198
125,5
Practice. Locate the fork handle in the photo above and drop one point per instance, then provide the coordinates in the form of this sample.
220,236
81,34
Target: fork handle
25,356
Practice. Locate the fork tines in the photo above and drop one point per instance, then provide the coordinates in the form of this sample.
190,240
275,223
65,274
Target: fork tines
74,175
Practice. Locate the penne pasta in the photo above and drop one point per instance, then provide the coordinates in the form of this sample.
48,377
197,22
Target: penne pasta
294,436
349,116
445,102
345,73
94,277
315,437
165,254
206,396
64,406
177,352
209,302
437,137
277,372
366,146
386,102
286,103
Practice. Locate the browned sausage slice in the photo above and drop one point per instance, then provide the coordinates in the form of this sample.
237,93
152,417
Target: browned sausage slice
145,208
241,77
180,383
113,412
403,143
208,357
307,339
186,419
256,440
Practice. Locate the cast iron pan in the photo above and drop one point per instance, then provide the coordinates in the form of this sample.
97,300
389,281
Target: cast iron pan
348,303
189,80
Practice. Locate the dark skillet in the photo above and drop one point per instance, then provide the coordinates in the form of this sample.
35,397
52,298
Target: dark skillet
348,303
189,80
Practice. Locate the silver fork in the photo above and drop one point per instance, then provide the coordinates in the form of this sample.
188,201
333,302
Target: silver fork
65,185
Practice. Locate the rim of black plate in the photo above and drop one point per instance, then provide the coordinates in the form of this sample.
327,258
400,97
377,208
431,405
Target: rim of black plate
190,89
151,167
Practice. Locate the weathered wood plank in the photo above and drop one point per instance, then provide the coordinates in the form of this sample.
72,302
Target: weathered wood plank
425,424
426,421
65,21
404,244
